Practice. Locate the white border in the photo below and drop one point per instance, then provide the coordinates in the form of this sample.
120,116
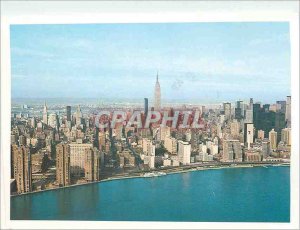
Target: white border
47,12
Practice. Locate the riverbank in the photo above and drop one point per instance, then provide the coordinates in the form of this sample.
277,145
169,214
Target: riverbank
168,171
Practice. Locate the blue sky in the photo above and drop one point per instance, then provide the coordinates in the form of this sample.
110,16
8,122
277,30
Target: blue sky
196,61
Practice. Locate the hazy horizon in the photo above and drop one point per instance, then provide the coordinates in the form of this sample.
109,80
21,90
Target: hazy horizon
195,61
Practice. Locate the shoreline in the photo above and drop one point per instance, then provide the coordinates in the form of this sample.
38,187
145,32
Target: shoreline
173,171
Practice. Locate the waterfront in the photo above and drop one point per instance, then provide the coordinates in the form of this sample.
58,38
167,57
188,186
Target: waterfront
235,194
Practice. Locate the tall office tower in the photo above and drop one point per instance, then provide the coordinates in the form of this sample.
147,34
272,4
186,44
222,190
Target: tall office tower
256,114
238,110
52,122
68,112
279,123
227,110
77,158
251,104
248,134
286,136
22,168
273,139
45,114
260,134
63,176
171,144
265,148
232,151
157,95
248,116
288,111
92,164
78,116
235,129
238,113
101,140
146,106
184,152
239,104
282,106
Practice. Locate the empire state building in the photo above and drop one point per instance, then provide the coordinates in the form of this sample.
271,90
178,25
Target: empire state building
157,95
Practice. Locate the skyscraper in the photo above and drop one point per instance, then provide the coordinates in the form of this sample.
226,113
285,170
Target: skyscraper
78,115
288,111
238,110
249,116
92,164
68,111
157,95
52,121
77,157
251,104
286,136
227,110
45,114
248,134
256,114
63,176
146,106
282,105
273,139
235,128
22,169
184,152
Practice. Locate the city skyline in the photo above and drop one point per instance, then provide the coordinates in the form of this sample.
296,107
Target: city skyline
209,61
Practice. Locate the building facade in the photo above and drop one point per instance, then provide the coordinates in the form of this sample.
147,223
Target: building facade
22,168
184,152
63,174
92,164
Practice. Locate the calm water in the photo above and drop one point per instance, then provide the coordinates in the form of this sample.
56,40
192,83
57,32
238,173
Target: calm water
239,194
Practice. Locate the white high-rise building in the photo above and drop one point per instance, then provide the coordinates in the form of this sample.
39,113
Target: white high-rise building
260,134
157,95
148,147
286,136
273,139
248,134
184,152
171,144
